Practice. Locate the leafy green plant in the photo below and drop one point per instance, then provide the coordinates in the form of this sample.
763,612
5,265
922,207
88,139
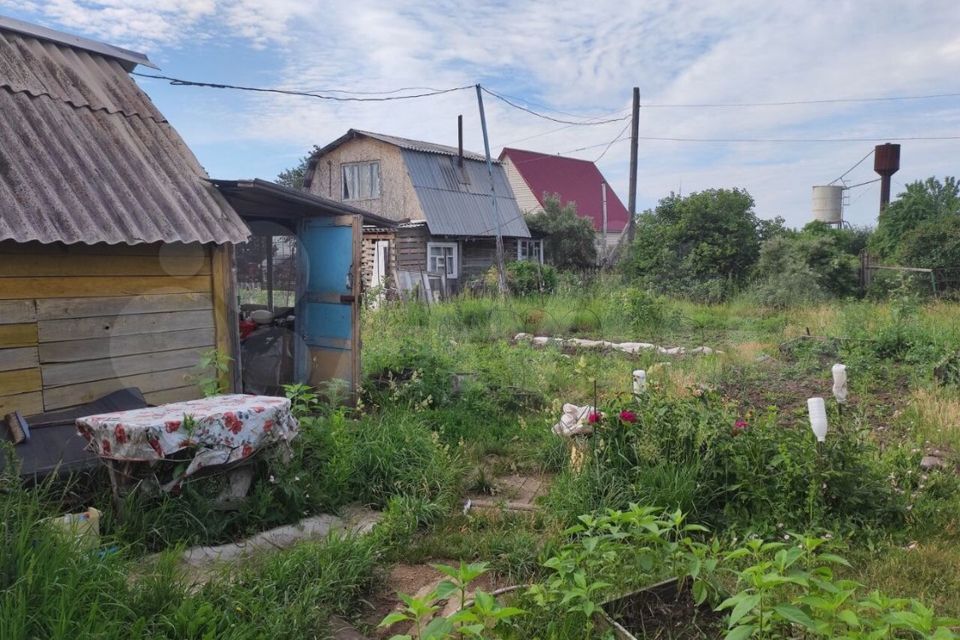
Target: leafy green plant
472,619
211,373
791,588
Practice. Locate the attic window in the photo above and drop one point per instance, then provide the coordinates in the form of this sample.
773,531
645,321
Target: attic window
361,180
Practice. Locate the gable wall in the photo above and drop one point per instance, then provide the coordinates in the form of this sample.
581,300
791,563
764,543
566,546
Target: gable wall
526,199
397,201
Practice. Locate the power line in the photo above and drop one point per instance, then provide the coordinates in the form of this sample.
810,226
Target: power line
179,82
582,123
550,131
859,162
370,93
860,184
787,103
563,113
619,137
800,140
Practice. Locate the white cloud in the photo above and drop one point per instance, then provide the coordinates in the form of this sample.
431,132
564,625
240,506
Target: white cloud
584,57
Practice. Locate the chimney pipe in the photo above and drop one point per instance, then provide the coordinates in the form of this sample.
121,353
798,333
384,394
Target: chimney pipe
886,162
460,139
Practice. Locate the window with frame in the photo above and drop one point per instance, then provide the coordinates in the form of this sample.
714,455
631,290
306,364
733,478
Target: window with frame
530,250
361,180
443,257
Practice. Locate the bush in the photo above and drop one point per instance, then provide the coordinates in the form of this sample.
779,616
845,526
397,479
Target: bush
569,240
525,277
702,246
807,266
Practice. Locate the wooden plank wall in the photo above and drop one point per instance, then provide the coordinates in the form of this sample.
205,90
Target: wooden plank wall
411,252
368,255
477,256
80,321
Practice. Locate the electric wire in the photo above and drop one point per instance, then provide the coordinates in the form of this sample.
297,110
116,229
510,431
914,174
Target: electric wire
788,103
620,136
797,140
581,123
179,82
859,162
860,184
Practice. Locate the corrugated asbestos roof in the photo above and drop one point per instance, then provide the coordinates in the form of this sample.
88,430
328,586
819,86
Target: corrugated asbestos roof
574,180
85,156
456,202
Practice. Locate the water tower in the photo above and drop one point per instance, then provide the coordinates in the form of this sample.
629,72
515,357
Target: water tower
886,162
828,204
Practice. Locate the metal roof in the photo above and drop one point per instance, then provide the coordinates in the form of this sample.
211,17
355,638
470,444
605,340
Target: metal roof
456,202
574,180
85,157
403,143
256,198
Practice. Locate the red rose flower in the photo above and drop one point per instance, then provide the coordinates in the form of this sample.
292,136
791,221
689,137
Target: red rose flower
594,417
172,425
628,416
739,426
105,447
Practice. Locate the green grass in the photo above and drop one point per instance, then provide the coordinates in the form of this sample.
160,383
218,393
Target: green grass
419,436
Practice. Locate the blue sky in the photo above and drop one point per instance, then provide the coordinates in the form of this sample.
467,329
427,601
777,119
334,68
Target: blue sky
561,56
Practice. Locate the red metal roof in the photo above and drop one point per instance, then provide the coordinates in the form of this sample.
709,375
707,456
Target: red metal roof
574,180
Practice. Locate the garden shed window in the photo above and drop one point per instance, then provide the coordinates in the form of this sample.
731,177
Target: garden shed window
530,250
361,180
443,257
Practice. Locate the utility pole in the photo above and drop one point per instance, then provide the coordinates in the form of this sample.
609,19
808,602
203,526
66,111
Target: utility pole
634,140
501,274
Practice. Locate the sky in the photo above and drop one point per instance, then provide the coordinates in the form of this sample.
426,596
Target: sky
571,60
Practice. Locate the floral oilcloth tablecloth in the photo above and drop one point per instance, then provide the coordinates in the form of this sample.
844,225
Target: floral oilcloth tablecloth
220,429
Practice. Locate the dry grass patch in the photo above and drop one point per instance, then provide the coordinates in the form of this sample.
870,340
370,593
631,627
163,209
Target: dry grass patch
936,413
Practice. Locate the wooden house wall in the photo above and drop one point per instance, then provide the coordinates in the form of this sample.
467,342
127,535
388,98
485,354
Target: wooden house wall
478,255
411,248
369,252
80,321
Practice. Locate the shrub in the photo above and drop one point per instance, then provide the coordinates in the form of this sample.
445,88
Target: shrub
702,246
807,266
525,277
569,240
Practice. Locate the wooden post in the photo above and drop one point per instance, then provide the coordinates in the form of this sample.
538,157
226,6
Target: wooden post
225,315
634,140
501,269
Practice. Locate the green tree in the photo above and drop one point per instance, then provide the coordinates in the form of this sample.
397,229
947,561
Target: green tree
704,245
293,177
569,240
923,202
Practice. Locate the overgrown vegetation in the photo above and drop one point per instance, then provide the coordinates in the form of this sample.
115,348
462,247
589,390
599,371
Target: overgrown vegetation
711,476
570,241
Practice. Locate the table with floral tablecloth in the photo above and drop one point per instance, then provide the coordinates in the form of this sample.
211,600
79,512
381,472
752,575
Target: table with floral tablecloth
216,430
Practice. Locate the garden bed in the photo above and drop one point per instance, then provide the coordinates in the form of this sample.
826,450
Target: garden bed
662,611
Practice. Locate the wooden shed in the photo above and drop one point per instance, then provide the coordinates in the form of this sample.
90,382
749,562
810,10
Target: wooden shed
115,251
